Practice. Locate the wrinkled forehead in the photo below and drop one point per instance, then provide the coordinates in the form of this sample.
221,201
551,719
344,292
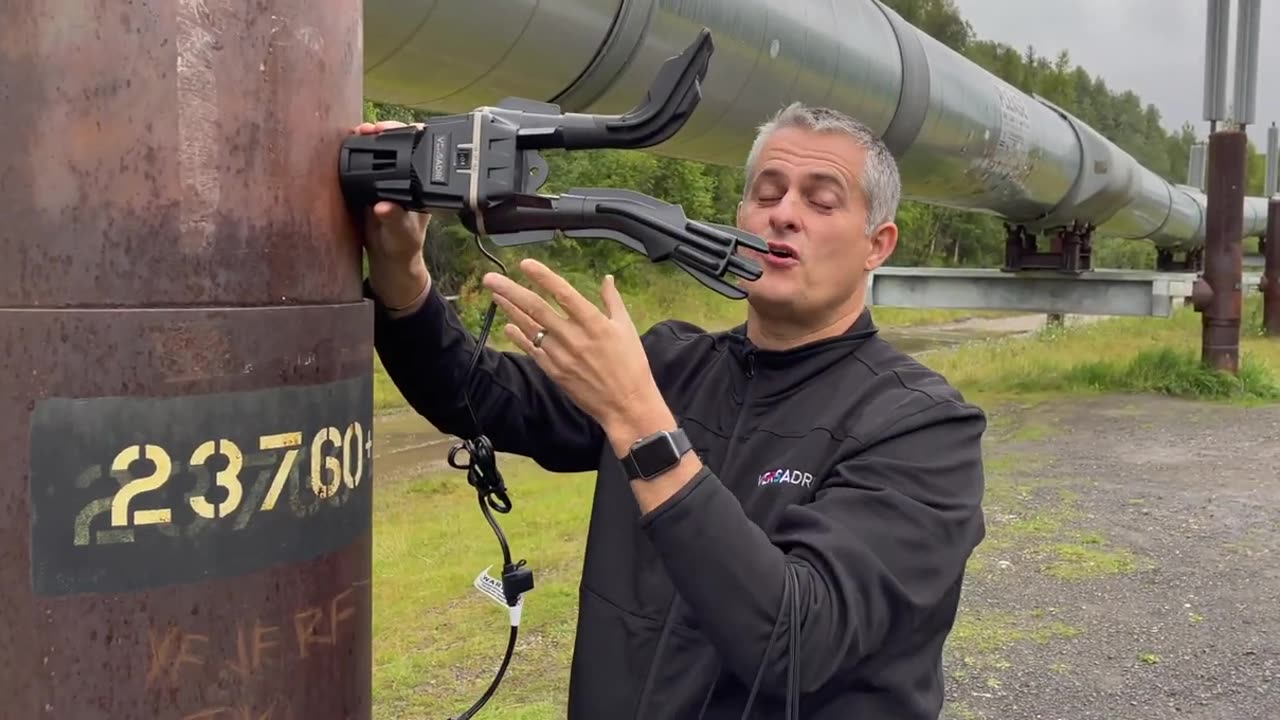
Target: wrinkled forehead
800,155
807,177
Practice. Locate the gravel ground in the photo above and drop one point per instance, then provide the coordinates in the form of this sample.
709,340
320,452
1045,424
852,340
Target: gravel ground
1131,568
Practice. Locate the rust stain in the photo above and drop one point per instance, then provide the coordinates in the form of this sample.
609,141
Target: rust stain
186,160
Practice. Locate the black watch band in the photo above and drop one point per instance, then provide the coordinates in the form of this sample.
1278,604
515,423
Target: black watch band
653,455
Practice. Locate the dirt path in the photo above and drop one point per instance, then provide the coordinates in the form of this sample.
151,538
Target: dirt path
1132,566
1015,324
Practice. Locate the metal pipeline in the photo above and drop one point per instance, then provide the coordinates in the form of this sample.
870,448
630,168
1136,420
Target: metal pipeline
964,138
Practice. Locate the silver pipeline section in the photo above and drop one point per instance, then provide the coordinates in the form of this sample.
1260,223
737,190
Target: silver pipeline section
964,138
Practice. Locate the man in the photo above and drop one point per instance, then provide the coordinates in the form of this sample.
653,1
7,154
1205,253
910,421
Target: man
812,542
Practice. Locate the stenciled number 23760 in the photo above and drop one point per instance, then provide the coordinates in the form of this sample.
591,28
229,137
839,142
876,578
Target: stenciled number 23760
327,472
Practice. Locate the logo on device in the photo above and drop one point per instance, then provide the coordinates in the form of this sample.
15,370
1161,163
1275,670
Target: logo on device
439,156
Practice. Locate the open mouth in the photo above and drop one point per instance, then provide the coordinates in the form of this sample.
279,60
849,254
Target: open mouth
780,256
781,252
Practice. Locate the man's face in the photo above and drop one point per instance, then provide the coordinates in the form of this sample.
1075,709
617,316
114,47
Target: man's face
806,196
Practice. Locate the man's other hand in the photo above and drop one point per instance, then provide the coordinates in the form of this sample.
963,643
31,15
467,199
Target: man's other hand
393,239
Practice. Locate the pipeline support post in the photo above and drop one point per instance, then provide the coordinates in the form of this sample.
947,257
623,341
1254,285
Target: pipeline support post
1191,260
1070,249
1220,297
1270,284
186,390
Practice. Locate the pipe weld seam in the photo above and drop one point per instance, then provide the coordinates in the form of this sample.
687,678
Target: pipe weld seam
913,99
615,53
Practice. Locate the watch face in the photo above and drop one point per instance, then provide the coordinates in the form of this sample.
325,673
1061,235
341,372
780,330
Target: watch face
655,455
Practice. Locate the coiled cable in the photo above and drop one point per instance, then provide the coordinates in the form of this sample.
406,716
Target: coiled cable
482,471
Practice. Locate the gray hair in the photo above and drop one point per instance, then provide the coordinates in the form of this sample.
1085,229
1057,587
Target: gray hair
881,184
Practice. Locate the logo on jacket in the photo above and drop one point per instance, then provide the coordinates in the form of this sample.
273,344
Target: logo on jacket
786,475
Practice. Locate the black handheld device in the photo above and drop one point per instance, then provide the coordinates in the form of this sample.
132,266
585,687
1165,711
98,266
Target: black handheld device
485,165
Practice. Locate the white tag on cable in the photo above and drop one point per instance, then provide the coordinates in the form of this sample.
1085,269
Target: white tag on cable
491,588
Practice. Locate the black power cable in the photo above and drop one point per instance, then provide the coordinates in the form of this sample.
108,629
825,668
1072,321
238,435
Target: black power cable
491,492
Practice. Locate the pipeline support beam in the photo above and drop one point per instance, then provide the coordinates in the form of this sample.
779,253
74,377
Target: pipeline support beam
187,395
1101,292
1070,250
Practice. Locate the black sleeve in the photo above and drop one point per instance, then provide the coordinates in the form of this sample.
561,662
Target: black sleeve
884,540
520,409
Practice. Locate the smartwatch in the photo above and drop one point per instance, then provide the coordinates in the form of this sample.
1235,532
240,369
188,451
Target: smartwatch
653,455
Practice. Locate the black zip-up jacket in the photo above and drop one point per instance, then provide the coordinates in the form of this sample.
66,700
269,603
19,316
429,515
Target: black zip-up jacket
842,473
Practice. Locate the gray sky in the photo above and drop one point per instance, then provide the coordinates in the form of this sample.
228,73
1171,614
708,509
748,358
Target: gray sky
1153,47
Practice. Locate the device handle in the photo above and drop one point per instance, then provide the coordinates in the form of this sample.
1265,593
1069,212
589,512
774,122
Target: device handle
670,101
379,167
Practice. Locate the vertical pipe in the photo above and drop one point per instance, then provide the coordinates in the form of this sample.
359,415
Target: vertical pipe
1224,250
1248,23
1216,39
186,363
1271,178
1195,167
1271,271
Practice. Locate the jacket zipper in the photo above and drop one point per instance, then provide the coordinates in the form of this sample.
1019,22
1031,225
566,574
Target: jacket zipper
746,405
671,609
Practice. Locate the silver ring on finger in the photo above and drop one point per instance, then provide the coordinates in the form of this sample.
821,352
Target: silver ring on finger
538,338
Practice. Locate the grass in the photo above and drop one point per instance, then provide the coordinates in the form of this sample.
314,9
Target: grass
1088,558
386,396
437,641
1123,355
979,638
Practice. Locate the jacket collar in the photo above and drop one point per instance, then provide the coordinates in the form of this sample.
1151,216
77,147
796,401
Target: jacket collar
803,361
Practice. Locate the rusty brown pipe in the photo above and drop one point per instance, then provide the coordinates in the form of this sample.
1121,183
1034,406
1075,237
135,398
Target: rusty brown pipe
186,388
1201,294
1270,285
1224,251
